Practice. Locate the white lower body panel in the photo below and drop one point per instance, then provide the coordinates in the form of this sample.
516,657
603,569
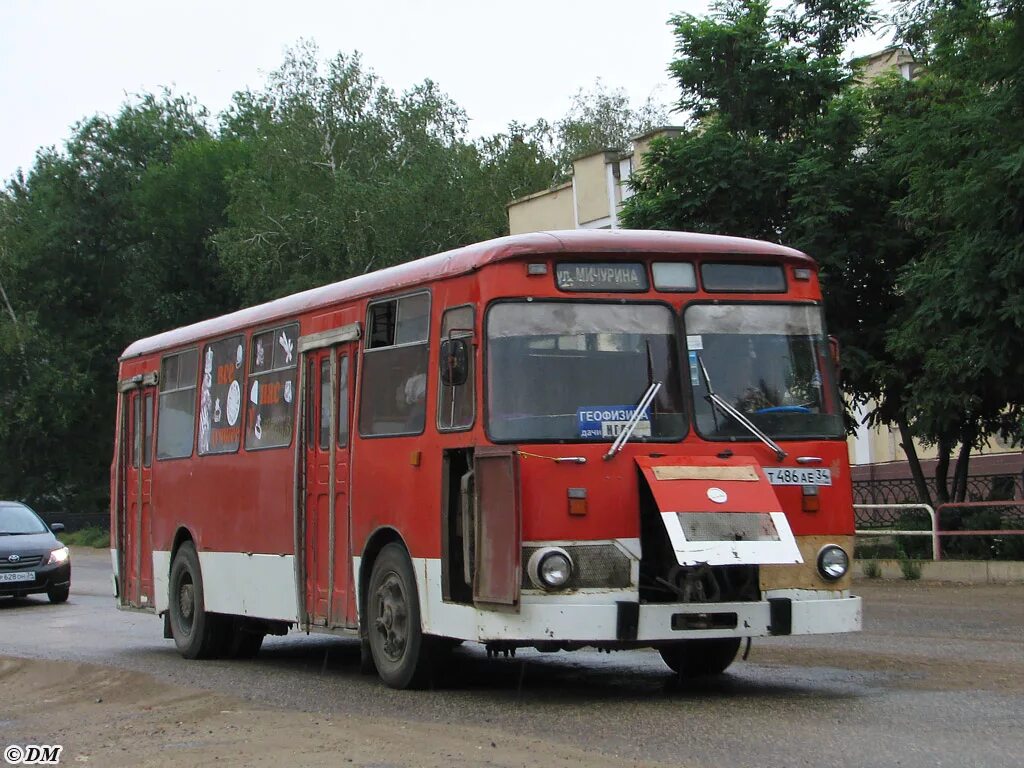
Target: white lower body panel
262,586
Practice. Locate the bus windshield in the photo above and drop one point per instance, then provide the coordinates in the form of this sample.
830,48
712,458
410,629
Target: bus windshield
566,371
769,361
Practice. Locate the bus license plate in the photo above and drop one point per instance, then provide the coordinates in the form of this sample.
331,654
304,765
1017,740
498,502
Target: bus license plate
791,476
19,576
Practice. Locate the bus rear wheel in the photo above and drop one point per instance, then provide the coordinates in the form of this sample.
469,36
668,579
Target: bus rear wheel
197,634
700,658
399,649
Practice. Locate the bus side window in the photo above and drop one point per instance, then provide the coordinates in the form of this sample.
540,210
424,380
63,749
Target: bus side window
456,404
343,403
271,392
394,367
147,440
177,404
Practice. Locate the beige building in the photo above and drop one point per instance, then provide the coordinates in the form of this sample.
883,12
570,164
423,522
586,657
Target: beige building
592,199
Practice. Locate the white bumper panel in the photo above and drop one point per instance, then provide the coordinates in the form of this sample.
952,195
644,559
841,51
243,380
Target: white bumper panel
234,582
597,621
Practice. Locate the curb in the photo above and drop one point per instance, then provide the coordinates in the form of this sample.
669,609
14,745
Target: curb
964,571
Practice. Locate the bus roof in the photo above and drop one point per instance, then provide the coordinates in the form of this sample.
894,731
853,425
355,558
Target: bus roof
459,261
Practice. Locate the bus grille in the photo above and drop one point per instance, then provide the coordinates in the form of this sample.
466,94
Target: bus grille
595,566
728,526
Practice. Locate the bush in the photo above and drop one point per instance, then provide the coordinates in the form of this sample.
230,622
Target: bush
911,568
872,569
95,537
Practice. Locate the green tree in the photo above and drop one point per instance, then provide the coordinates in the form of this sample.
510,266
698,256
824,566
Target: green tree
98,246
908,193
344,176
597,119
781,146
959,142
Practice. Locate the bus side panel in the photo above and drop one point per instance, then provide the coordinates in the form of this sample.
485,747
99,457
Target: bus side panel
235,508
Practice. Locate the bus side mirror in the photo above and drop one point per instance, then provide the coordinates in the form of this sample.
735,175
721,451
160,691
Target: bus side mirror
454,362
833,349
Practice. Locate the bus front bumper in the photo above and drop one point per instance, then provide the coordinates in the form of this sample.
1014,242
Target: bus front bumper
632,623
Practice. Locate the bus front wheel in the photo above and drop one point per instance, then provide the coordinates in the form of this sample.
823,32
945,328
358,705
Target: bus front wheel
397,644
197,634
700,658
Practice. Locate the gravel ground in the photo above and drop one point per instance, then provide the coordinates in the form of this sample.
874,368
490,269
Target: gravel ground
936,678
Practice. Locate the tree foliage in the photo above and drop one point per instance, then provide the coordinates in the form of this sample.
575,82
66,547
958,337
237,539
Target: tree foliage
155,218
908,193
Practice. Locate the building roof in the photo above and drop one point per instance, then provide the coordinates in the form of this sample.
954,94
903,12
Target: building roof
622,242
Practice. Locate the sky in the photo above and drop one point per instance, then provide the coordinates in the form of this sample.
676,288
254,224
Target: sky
65,60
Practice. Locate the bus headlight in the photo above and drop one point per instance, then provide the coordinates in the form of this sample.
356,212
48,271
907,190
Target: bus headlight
550,568
833,562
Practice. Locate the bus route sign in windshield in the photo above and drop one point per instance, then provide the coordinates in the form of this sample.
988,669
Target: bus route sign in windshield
601,277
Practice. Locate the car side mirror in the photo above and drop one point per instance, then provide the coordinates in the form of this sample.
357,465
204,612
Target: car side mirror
454,362
56,527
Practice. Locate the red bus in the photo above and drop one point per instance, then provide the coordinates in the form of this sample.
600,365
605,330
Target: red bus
612,439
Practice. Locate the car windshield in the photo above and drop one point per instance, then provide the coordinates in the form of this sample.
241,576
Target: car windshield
564,371
18,519
769,361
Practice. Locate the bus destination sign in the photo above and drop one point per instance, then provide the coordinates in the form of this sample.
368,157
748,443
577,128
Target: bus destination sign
618,276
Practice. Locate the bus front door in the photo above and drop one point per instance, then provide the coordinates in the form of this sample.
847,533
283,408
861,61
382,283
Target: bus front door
328,561
134,534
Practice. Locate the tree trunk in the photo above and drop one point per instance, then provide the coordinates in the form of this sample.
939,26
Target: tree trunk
963,463
923,494
942,470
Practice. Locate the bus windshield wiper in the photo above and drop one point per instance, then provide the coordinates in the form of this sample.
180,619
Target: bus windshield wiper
625,434
716,399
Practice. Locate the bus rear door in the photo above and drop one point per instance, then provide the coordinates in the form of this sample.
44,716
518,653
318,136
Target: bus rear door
134,543
326,553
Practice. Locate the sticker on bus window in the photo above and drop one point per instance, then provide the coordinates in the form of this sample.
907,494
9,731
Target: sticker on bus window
695,343
694,370
608,421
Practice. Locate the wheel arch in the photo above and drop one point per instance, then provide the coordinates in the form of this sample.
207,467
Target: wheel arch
376,541
181,535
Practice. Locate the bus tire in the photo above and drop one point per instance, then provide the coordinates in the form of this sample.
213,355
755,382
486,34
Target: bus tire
700,658
399,649
197,634
244,644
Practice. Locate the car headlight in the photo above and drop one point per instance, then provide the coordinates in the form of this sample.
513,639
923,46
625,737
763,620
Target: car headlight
833,562
550,568
59,556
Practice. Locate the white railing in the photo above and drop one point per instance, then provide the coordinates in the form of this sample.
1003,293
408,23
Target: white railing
934,518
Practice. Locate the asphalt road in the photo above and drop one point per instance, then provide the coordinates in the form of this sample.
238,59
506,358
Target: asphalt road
936,679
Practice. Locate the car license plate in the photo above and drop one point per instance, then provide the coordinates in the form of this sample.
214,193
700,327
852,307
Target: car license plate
801,476
18,576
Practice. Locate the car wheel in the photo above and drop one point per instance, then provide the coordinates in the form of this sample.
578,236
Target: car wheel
400,651
700,658
197,634
59,594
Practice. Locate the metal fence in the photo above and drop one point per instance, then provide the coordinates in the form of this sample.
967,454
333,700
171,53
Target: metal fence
971,530
903,490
